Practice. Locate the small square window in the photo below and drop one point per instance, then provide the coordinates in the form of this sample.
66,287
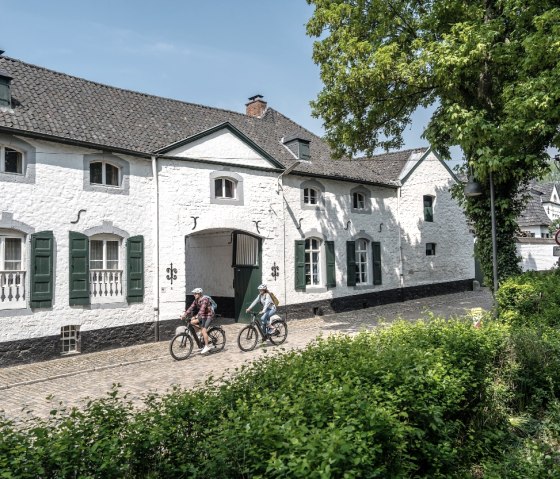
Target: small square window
224,188
11,161
101,173
70,339
358,201
430,249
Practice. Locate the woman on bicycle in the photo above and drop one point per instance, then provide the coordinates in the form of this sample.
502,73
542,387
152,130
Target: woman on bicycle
268,307
204,315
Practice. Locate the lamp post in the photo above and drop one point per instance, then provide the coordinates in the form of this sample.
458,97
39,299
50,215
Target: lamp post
472,190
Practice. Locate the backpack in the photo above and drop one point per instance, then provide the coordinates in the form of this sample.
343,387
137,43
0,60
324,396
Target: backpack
274,298
213,304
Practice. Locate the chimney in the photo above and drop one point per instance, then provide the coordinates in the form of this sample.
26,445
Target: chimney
256,106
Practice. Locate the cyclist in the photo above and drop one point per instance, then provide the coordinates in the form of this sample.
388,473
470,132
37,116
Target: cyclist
268,307
204,315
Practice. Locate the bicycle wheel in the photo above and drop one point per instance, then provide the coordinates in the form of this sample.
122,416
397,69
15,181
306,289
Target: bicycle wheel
217,337
181,346
248,337
280,332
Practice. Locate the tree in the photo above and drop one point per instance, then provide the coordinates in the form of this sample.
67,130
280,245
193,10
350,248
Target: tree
490,67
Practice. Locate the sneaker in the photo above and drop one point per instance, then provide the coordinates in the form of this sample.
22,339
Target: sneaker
205,349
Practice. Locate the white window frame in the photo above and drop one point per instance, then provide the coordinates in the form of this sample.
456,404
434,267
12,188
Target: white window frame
107,285
362,267
3,161
310,249
308,194
223,195
358,201
7,234
104,174
70,339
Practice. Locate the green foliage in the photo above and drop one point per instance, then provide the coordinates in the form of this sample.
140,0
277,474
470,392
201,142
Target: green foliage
491,69
434,399
532,298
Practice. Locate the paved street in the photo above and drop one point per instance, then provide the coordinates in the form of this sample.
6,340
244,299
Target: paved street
148,368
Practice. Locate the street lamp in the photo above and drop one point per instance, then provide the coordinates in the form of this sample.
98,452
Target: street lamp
472,190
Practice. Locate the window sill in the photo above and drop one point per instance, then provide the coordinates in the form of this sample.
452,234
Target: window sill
316,289
360,287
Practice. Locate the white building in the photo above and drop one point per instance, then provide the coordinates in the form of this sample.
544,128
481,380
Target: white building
115,204
536,245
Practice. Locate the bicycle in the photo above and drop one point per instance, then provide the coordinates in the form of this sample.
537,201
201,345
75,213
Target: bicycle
181,345
249,335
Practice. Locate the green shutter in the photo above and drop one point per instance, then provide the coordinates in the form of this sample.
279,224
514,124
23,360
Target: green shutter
42,269
79,269
300,265
331,267
351,263
376,253
135,269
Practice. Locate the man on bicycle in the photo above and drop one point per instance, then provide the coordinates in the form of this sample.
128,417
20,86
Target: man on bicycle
204,315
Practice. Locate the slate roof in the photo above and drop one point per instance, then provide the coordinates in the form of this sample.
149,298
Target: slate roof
45,102
534,214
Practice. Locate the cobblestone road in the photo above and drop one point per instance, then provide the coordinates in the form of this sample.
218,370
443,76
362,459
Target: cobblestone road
35,389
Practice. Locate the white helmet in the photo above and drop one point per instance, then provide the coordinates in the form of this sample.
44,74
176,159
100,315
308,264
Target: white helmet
262,286
197,291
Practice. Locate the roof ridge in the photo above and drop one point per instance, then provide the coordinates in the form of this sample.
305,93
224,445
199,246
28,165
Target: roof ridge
127,90
399,152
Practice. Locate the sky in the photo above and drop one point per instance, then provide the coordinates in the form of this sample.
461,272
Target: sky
211,52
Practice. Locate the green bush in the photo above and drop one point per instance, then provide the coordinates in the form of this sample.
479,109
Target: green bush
432,399
532,298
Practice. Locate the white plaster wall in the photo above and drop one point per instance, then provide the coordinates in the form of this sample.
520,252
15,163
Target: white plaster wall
454,244
223,146
537,255
51,203
330,220
184,188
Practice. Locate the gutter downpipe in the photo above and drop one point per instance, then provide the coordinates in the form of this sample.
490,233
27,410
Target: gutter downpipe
280,182
156,247
401,259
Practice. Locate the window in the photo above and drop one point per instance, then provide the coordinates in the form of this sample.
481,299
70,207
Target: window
11,161
362,263
12,274
70,339
310,196
428,208
312,261
224,188
358,201
104,254
105,272
430,249
102,173
98,267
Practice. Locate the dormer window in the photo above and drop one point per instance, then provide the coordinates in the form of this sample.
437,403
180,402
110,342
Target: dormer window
5,95
102,173
11,161
299,147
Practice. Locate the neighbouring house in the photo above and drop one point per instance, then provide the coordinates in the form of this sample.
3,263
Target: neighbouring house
535,244
116,204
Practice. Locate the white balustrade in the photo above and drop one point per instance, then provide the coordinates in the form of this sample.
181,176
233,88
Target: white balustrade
105,285
12,289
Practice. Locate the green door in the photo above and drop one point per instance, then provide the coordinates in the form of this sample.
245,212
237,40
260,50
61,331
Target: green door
247,273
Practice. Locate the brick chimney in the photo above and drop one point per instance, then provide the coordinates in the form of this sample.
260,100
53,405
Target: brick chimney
256,106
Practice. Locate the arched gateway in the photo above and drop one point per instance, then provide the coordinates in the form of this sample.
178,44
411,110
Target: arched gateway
227,264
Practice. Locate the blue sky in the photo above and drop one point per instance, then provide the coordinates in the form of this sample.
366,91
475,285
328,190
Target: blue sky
214,52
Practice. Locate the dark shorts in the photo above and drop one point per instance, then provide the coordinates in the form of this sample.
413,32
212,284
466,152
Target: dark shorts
205,323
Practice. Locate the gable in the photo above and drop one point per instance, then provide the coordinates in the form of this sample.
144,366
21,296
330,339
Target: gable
223,144
417,158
